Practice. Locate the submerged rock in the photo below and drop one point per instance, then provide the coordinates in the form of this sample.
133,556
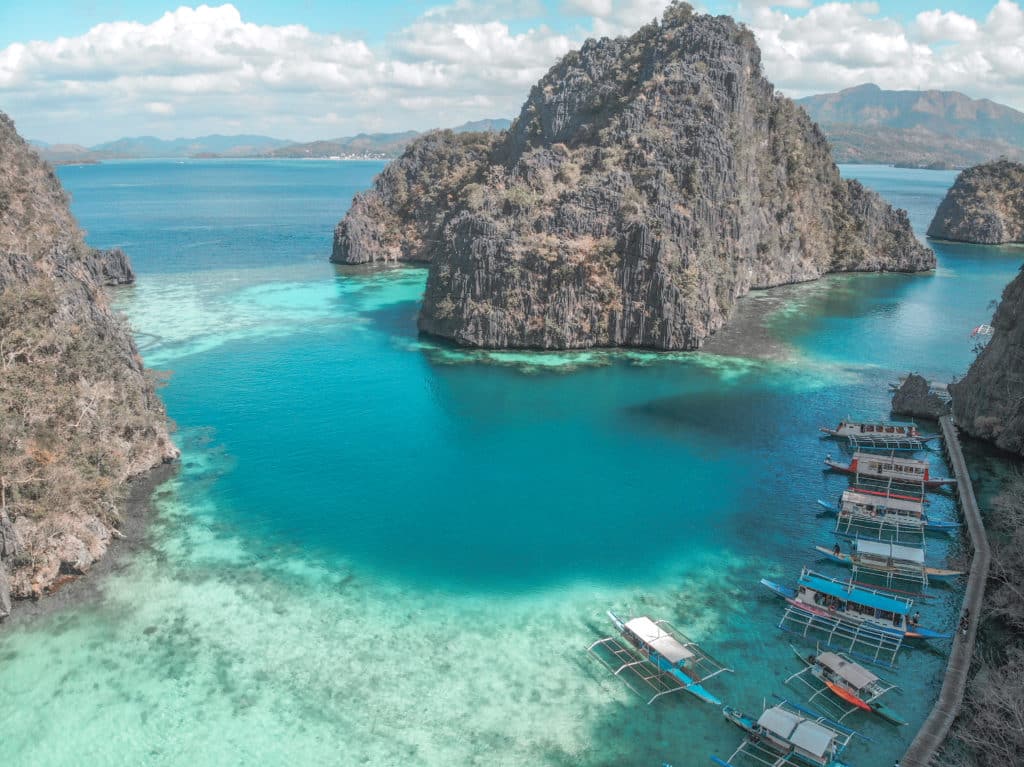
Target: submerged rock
79,414
985,205
647,184
989,402
915,399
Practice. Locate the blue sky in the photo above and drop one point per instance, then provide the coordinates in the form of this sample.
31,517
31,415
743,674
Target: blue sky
84,72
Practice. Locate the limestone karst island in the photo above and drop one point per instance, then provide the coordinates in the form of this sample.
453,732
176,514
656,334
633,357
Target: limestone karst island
557,383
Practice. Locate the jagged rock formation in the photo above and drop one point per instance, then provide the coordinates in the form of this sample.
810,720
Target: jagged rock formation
79,414
985,205
915,399
989,402
402,217
647,183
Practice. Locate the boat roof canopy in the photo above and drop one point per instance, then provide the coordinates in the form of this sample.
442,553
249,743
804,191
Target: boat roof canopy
892,459
658,639
856,675
808,735
891,551
860,596
882,501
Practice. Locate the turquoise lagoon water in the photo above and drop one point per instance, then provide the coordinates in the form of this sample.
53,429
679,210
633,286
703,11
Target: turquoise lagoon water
384,551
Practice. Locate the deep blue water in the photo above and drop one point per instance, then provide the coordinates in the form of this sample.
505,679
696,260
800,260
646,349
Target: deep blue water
341,471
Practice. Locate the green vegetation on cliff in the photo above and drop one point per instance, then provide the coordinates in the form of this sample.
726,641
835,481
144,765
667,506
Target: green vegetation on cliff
78,412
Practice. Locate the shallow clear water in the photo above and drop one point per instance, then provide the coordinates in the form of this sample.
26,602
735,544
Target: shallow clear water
383,551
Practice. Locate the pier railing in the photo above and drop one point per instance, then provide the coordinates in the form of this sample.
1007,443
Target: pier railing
935,728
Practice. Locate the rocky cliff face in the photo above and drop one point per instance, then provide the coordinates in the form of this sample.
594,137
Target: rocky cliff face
915,399
989,402
79,415
402,217
647,183
985,205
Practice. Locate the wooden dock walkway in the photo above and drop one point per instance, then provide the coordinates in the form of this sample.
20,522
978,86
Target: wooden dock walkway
935,728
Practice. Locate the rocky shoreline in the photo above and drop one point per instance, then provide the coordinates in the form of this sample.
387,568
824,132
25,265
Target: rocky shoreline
80,417
136,516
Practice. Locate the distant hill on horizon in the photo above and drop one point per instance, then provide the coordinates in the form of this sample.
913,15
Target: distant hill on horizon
362,145
149,146
380,146
145,147
938,129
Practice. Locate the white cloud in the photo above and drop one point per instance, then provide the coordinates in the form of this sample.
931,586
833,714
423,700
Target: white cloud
837,45
610,18
160,108
486,10
934,26
198,70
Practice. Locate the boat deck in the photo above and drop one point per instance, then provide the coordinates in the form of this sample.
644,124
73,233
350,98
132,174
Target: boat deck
644,677
860,640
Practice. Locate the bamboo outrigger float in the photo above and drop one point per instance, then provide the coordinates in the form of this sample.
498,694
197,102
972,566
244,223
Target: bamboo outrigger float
833,599
889,467
787,734
885,515
845,685
880,436
657,657
891,561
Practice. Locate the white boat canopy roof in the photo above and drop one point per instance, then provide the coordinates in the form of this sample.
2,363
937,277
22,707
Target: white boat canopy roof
881,501
892,460
813,738
808,735
666,645
854,674
891,551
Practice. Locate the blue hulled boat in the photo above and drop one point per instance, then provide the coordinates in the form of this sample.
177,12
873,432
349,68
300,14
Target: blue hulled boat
836,600
668,652
787,734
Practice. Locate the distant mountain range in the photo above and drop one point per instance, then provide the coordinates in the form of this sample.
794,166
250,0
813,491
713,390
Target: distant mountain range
938,129
362,146
375,145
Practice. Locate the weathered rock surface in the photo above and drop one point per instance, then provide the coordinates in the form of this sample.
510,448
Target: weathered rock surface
402,217
988,403
985,205
79,414
647,184
110,267
915,399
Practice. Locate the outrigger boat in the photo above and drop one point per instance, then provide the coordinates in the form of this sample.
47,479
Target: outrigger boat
833,599
849,681
787,734
891,436
887,467
678,664
893,561
883,508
